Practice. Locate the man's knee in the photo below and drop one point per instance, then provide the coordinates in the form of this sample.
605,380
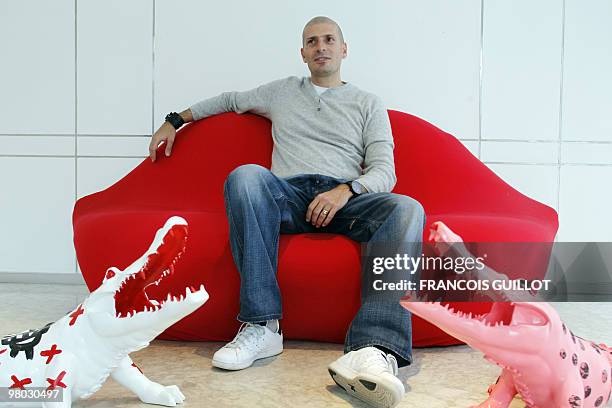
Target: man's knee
243,177
407,209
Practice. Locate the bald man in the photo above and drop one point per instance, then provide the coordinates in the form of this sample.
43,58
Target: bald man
332,171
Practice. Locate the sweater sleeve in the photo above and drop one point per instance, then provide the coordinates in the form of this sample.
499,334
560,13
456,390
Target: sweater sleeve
379,166
256,100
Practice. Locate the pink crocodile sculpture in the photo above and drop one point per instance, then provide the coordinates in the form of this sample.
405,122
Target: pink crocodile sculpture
541,359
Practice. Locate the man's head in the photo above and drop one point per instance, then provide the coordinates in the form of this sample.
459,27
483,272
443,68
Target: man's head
323,46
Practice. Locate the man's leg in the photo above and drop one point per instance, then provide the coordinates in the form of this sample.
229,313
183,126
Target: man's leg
390,224
380,334
259,205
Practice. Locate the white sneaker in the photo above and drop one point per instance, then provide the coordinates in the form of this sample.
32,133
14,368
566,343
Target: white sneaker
370,375
252,342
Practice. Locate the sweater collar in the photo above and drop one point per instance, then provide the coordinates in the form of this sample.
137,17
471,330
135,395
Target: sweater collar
307,83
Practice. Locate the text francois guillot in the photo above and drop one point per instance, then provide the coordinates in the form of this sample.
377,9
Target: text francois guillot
457,264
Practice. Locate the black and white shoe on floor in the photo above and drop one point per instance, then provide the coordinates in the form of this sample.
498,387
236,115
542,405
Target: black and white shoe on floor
370,375
254,341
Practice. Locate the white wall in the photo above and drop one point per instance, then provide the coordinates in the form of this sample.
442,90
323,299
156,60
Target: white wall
525,85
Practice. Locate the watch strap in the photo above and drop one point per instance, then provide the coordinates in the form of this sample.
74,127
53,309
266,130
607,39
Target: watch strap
175,120
350,186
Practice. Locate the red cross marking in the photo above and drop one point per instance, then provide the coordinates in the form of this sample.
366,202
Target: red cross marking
57,382
75,315
20,383
50,353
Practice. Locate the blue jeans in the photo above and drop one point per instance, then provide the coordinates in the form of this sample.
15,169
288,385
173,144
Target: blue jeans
260,206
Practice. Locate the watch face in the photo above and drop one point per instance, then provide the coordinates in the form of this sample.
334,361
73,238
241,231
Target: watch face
356,187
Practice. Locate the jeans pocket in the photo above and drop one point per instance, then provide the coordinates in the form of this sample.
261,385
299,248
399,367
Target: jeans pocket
295,177
298,180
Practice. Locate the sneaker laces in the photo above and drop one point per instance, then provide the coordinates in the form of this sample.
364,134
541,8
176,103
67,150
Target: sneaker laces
247,335
386,362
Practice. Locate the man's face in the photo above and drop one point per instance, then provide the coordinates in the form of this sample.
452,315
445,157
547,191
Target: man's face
323,50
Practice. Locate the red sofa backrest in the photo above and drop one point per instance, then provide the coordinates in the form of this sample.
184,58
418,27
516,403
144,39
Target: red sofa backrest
432,166
435,168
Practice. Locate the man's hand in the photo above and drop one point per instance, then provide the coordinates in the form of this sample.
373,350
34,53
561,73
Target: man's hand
165,132
325,205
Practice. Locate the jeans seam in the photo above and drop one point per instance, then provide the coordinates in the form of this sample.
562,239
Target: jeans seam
347,338
231,217
276,243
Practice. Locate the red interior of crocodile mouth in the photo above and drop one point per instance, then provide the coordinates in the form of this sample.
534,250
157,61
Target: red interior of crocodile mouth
506,314
132,296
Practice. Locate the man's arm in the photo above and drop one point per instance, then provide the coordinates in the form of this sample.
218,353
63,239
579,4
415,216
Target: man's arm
256,100
379,165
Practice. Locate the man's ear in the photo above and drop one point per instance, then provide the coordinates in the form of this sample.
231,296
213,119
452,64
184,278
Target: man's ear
344,50
302,53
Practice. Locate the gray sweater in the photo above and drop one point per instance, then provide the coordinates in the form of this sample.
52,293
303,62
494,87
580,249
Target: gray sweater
343,133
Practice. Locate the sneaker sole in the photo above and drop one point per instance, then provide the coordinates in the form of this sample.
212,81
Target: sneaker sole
376,391
245,364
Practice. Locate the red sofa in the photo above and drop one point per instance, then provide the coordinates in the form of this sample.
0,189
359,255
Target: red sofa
321,292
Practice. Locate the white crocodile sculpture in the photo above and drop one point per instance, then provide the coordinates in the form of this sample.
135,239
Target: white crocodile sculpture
77,353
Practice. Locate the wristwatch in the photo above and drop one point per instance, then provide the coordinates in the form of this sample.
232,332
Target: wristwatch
355,187
175,120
